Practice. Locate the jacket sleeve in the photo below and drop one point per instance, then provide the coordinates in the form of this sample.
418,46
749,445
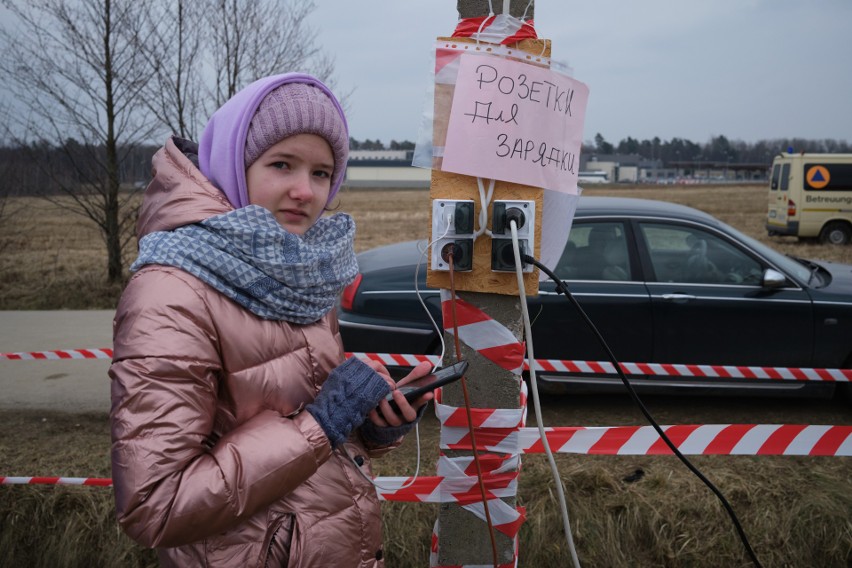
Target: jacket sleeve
174,484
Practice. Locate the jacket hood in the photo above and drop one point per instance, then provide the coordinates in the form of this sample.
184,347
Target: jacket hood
221,151
179,194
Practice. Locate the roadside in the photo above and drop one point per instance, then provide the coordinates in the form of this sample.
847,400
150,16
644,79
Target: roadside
68,386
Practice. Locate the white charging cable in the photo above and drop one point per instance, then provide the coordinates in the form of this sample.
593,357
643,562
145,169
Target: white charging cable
408,483
443,349
435,326
484,203
566,523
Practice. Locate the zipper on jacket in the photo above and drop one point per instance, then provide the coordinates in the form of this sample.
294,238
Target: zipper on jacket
277,525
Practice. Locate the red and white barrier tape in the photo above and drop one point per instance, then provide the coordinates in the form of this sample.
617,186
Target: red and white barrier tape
502,28
88,481
694,439
438,489
701,371
478,330
58,355
542,365
690,439
500,479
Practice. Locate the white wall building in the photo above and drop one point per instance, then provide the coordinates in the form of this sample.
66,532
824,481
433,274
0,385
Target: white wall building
386,169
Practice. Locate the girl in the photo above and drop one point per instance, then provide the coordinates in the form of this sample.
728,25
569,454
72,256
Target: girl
237,428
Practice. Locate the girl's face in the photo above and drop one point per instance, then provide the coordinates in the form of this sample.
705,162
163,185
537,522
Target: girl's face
292,179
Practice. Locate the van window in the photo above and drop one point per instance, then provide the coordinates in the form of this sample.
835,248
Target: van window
785,177
776,172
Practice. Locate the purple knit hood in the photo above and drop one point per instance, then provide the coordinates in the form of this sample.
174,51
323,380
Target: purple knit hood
221,150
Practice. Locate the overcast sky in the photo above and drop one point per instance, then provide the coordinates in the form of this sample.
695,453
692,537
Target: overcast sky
745,69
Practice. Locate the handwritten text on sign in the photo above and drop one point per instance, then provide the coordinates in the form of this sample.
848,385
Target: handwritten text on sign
516,122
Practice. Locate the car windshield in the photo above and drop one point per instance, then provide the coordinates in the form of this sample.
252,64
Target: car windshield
787,264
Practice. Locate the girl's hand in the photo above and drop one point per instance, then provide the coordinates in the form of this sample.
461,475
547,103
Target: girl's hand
384,416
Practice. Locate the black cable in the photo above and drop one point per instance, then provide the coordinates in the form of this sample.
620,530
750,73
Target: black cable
563,289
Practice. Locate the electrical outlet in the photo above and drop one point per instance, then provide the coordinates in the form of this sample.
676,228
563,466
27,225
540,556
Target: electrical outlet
502,252
452,232
503,255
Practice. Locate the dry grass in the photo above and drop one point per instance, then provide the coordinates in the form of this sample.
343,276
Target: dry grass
51,259
795,510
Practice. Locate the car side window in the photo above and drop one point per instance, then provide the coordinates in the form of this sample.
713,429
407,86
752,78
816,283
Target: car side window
681,253
595,251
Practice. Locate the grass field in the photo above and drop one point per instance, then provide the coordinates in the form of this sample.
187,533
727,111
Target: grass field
50,259
796,510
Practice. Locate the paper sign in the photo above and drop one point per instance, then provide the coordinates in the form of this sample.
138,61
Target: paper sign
516,122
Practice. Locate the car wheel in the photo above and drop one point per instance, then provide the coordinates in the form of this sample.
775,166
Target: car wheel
836,233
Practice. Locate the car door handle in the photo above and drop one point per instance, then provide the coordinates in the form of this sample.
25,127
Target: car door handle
677,297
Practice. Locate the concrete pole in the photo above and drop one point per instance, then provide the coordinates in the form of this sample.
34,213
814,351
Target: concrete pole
463,538
479,8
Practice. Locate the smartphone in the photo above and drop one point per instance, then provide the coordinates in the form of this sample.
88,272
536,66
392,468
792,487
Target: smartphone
439,378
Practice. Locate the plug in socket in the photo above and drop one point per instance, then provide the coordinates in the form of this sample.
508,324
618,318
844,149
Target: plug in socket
502,253
462,252
452,230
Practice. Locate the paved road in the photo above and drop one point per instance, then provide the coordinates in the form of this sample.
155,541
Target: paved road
67,385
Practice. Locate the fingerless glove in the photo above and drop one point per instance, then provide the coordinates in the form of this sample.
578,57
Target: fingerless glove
380,436
351,391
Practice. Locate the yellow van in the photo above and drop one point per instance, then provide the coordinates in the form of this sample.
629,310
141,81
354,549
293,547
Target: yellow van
810,196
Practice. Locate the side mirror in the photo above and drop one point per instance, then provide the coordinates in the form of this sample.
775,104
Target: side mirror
773,279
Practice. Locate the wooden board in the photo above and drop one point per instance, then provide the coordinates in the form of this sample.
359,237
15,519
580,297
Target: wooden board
446,185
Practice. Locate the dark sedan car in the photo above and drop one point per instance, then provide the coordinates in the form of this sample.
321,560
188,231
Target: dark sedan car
663,283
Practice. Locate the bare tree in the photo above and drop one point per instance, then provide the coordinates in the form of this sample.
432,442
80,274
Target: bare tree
76,77
7,183
173,45
255,38
96,78
200,53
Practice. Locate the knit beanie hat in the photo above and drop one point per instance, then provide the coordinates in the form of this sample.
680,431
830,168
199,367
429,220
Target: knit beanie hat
298,108
261,115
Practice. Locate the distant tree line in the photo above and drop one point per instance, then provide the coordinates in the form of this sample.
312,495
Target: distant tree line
717,149
44,168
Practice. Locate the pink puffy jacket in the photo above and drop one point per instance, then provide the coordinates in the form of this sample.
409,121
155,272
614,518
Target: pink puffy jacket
214,461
